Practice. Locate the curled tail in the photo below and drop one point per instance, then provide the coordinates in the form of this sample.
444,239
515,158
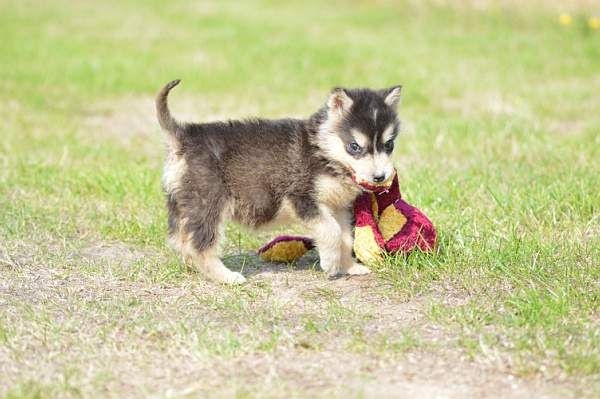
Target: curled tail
167,122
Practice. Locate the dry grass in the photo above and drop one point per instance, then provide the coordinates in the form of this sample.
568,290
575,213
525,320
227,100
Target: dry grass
288,331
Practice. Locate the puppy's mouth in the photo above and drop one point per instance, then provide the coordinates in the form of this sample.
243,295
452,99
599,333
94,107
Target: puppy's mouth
372,186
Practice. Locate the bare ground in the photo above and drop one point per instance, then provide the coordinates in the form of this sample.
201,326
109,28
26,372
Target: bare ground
69,329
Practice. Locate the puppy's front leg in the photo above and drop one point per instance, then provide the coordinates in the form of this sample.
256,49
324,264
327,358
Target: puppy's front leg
327,233
348,265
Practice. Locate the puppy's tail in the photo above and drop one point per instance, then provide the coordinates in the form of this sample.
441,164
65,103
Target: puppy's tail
166,120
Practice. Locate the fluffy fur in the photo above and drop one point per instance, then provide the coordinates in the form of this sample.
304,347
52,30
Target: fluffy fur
259,172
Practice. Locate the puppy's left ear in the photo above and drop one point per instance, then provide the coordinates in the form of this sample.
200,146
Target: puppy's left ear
391,95
339,102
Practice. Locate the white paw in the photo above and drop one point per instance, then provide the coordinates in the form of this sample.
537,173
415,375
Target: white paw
357,269
332,271
231,278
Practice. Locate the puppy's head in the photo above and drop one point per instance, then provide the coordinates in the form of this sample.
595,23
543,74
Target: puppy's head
359,132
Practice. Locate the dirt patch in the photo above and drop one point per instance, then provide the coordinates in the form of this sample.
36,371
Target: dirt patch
418,375
491,103
289,331
115,252
567,127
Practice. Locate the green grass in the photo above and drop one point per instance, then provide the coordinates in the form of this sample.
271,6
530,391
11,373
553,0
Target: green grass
500,147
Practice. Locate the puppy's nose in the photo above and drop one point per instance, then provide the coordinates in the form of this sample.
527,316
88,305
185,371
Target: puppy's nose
379,178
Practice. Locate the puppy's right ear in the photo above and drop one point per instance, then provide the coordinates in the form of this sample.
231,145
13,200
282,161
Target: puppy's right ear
391,96
339,102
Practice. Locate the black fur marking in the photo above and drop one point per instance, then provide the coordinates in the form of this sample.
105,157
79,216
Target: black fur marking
366,102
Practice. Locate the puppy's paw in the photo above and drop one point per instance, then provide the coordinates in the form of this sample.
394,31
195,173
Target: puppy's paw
357,269
333,271
232,278
330,269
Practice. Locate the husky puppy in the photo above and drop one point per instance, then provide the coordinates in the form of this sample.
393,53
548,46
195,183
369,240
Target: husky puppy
259,172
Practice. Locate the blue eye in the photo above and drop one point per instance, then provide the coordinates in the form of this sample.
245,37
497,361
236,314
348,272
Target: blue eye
354,148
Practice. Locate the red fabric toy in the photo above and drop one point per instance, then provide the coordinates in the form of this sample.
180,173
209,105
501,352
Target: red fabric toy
384,224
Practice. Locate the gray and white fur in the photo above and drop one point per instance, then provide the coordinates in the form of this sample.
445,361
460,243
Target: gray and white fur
260,172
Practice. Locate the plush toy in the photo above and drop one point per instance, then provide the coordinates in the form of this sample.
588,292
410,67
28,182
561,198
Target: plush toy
384,224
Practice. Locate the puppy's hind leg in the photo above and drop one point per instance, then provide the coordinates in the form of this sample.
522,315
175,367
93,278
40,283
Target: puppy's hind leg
199,245
348,265
211,265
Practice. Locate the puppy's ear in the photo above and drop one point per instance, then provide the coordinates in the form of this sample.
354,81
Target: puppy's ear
391,95
339,102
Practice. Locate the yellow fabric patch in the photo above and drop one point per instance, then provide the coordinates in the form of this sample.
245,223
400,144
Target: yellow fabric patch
374,206
366,248
286,251
391,222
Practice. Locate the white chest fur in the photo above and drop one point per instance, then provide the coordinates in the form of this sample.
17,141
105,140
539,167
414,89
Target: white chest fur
336,192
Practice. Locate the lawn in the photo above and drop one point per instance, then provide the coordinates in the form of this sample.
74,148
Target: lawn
499,146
